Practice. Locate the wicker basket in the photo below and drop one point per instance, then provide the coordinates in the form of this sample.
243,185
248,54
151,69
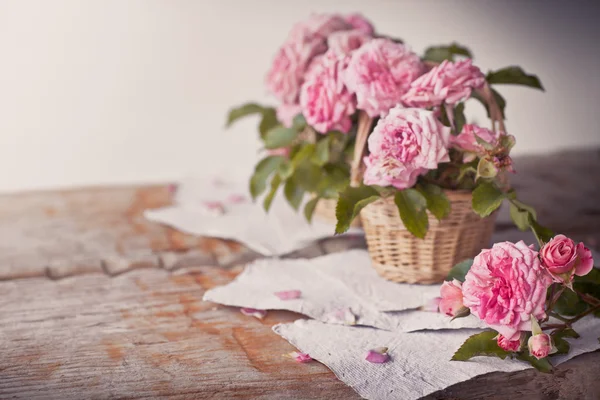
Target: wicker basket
325,211
399,256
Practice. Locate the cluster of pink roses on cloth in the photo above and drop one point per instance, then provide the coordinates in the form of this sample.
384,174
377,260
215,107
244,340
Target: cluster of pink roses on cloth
525,296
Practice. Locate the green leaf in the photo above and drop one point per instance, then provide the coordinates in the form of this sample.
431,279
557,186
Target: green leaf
412,207
242,111
441,53
497,96
480,344
321,155
459,118
542,233
293,193
299,122
350,202
521,214
268,121
514,75
309,208
569,303
268,200
459,271
280,136
486,199
304,153
258,181
592,277
560,343
542,365
437,202
285,170
308,176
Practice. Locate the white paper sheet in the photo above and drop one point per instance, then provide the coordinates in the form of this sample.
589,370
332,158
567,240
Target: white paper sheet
331,286
280,231
420,361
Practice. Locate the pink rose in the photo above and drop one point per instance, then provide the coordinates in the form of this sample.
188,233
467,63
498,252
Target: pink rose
289,67
540,345
326,102
405,144
505,286
467,142
510,345
345,42
452,298
563,258
380,72
319,26
360,23
449,82
287,112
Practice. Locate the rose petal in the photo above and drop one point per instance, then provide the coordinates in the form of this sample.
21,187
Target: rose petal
236,198
432,305
378,355
341,316
300,357
172,188
214,207
288,294
253,312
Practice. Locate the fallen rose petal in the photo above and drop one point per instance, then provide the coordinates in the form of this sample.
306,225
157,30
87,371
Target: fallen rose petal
288,294
215,207
253,312
300,357
172,188
341,316
236,198
378,355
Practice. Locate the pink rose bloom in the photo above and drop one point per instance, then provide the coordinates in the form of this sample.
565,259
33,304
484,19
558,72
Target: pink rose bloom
345,42
540,345
405,144
452,298
289,67
509,345
563,258
467,142
505,286
326,102
319,26
449,82
380,72
287,112
360,23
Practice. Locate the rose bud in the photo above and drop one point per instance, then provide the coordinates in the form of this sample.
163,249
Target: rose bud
541,346
563,258
451,302
510,345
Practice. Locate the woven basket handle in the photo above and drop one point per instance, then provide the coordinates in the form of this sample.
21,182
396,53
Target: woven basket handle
365,122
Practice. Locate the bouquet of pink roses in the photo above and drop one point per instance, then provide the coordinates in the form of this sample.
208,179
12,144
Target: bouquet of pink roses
530,300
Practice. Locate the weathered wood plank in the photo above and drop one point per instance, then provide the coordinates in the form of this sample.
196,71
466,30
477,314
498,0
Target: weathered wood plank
145,333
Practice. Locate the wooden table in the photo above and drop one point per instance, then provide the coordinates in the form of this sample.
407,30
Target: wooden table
95,302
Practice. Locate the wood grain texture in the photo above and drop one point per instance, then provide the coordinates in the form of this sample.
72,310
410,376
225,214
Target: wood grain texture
145,334
96,302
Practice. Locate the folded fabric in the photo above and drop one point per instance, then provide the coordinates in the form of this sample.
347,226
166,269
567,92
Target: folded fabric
419,362
221,207
338,288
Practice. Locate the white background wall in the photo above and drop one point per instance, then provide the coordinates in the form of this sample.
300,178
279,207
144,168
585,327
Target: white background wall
109,91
